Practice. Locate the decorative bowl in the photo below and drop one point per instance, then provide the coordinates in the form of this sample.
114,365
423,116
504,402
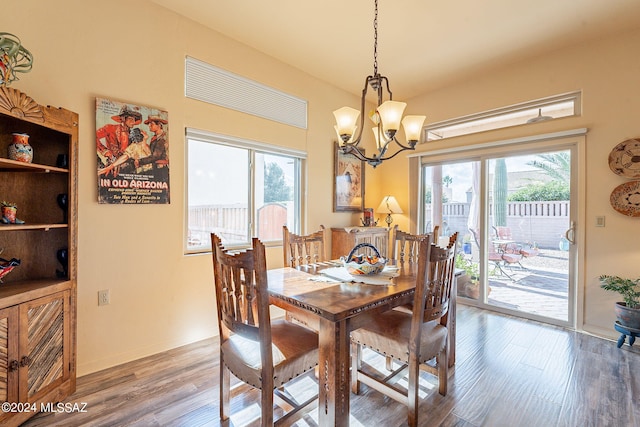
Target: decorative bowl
359,264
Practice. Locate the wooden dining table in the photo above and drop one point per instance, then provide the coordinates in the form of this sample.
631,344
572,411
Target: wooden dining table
335,309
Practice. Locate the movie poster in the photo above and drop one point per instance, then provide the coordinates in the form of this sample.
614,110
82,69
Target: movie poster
133,153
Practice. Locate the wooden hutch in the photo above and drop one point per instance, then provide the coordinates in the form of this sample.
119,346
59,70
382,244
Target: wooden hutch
38,298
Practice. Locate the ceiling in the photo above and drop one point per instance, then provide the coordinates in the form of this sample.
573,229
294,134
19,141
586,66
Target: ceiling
422,44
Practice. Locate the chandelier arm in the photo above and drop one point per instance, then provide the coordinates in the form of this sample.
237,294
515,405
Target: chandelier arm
387,141
394,154
409,146
363,98
386,82
373,161
355,152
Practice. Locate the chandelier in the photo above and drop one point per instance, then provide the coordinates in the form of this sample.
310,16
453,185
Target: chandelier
387,118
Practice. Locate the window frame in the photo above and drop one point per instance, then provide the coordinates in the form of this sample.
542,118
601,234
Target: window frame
526,113
253,148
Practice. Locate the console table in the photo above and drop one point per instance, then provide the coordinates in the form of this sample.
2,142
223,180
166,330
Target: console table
346,238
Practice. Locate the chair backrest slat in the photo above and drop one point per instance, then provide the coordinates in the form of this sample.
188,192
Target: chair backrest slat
405,246
436,266
303,249
241,291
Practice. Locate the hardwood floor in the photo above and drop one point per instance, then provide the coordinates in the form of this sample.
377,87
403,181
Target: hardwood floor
509,372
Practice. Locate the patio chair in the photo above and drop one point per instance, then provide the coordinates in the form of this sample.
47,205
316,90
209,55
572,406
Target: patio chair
262,353
504,255
528,250
501,255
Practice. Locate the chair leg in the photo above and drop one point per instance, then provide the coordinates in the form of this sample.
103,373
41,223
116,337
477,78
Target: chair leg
502,271
225,390
413,391
266,406
388,363
443,370
356,363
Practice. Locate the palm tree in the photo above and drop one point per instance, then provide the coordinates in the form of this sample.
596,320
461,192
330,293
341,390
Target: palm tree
556,165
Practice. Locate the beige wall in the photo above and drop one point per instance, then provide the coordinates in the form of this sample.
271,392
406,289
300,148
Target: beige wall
134,52
607,73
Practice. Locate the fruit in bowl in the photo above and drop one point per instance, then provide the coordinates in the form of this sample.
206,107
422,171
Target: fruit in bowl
360,264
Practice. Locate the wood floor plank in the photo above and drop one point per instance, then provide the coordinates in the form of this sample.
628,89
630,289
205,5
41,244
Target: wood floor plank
509,372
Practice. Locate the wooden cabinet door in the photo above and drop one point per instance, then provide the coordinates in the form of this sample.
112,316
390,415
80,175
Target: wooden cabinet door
8,357
44,345
342,241
375,237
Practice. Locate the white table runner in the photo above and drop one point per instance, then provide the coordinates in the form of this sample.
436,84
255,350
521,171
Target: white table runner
341,274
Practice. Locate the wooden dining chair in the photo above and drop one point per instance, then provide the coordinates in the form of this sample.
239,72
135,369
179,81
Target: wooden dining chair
303,249
412,339
404,246
300,251
260,352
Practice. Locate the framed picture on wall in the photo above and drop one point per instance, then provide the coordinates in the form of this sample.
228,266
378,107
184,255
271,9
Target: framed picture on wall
348,182
133,153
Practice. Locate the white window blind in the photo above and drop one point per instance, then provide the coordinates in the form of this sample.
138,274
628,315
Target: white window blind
214,85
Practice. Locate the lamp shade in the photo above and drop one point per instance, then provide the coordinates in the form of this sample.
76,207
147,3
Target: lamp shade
377,136
413,127
346,118
389,205
390,115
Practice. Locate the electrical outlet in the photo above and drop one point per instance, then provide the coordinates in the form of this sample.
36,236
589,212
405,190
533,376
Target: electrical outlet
103,297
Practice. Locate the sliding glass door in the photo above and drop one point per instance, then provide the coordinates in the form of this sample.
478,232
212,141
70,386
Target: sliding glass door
513,215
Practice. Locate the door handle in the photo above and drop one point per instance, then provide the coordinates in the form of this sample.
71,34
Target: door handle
570,234
25,361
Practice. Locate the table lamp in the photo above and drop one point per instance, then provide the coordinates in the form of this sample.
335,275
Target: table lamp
389,205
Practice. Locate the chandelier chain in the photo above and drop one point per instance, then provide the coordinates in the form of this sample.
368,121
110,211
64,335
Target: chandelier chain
375,40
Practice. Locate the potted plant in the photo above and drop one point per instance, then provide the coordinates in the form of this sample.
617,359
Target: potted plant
627,312
468,282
